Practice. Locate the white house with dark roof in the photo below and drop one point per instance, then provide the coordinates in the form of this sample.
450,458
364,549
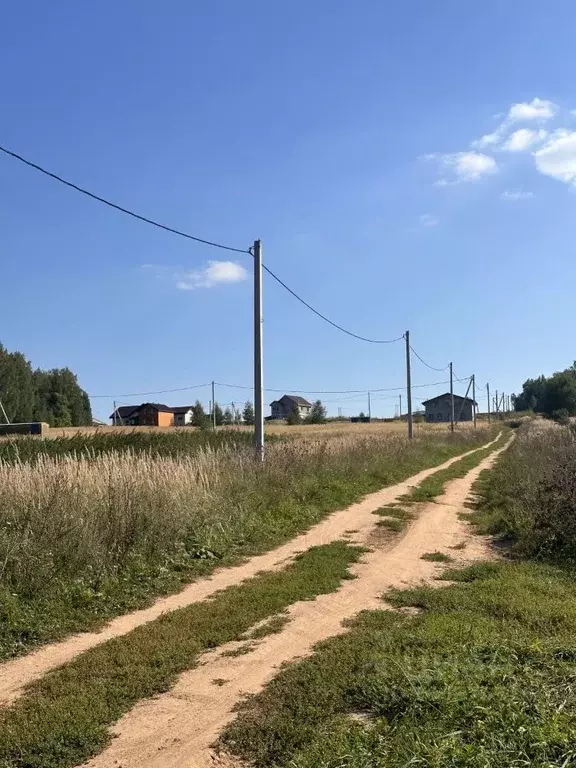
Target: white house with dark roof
287,404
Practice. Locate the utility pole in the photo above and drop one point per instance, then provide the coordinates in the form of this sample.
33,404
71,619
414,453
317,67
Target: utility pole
451,399
258,352
474,399
488,397
369,408
114,413
213,406
408,385
400,411
4,412
496,405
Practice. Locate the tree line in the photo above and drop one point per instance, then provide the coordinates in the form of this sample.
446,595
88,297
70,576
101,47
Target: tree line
230,416
53,396
553,396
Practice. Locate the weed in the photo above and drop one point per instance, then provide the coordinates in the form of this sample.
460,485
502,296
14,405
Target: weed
392,524
272,627
436,557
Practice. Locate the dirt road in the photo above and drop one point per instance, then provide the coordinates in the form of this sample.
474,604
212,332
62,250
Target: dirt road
179,728
16,674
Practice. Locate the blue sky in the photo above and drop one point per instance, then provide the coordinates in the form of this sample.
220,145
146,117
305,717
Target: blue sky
406,165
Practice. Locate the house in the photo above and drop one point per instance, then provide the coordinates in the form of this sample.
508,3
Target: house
125,416
153,415
282,408
183,415
439,409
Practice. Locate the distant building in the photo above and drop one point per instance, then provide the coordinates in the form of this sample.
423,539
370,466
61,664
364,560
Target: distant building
282,408
152,415
438,409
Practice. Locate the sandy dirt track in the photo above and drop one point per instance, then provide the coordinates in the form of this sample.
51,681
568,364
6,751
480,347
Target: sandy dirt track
178,729
16,674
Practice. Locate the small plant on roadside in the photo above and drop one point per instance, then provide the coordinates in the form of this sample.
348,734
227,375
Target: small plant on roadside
436,557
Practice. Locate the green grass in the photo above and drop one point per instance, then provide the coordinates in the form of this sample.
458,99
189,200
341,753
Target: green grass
75,554
392,524
434,484
63,719
436,557
483,677
394,511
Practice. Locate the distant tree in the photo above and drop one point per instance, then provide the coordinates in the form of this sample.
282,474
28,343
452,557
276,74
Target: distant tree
218,415
294,417
362,415
317,413
228,417
17,390
248,414
236,415
199,416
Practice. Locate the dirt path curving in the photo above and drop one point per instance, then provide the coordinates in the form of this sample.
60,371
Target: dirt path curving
177,729
16,674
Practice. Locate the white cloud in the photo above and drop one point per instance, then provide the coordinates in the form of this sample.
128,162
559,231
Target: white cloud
537,109
514,195
523,139
466,166
429,220
540,110
216,273
557,158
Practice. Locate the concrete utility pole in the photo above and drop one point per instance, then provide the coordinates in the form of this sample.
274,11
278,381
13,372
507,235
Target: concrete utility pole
369,408
496,405
474,398
408,385
488,397
451,399
400,411
114,413
213,406
258,354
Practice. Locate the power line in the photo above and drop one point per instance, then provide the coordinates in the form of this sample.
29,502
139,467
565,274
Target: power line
119,207
432,368
156,392
326,319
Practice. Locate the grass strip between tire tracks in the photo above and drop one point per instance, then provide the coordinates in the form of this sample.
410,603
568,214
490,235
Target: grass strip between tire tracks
63,719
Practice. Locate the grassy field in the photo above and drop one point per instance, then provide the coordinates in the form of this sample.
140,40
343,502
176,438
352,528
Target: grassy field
105,523
481,673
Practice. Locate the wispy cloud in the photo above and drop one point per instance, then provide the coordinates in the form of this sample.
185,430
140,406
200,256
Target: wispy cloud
463,166
523,139
429,220
213,274
557,158
537,110
514,195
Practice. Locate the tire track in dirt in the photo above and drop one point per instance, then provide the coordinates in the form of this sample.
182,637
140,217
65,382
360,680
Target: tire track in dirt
178,729
17,673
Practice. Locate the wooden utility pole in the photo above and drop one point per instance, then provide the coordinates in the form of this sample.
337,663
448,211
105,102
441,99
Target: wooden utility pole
213,406
488,397
451,399
497,405
369,408
408,385
258,354
474,398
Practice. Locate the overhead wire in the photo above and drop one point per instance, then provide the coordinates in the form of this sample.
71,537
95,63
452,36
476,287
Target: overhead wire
432,368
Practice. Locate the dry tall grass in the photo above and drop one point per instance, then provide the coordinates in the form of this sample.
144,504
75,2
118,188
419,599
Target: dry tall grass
88,517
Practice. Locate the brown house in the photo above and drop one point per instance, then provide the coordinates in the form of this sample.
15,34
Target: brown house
145,415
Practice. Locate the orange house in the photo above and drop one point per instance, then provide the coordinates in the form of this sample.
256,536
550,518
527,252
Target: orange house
155,415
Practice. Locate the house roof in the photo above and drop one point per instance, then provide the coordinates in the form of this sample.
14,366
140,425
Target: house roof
157,407
295,399
459,398
181,408
124,411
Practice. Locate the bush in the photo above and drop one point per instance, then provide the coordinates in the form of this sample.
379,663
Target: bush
561,416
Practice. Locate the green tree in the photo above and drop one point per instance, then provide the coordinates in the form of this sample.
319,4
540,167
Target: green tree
218,415
228,417
199,416
317,413
248,414
294,417
17,390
